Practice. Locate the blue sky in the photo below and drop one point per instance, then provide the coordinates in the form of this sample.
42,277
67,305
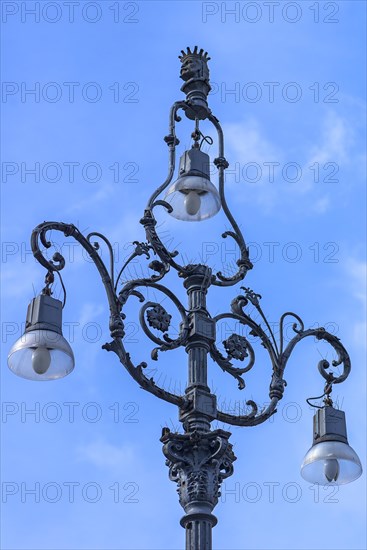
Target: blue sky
289,88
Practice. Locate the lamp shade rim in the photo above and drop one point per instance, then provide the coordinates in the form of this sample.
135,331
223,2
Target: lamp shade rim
319,457
208,198
59,353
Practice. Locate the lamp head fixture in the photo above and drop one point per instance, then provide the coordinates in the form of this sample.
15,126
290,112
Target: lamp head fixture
193,196
42,353
330,460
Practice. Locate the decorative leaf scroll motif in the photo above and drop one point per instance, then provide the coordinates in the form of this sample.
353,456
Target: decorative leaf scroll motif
197,483
159,318
251,296
236,346
149,222
159,268
239,348
198,463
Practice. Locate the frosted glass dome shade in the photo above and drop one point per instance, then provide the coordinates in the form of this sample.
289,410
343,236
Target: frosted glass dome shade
331,462
41,355
193,197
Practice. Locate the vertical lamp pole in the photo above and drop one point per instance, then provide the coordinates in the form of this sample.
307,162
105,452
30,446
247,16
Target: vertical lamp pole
199,458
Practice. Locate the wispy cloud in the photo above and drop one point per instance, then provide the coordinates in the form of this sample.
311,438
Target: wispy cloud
321,205
336,141
21,287
104,192
248,142
356,276
357,272
105,455
90,312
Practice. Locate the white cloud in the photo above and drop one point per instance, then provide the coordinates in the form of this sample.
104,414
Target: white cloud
326,158
92,200
359,331
90,312
335,144
248,142
357,272
336,141
22,287
105,455
321,205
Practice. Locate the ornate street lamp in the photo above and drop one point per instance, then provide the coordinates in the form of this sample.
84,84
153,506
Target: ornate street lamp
199,459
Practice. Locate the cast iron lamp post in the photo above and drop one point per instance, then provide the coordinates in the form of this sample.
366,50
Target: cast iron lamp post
199,459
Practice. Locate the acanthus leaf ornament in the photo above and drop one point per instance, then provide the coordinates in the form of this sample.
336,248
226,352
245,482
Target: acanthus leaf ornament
198,463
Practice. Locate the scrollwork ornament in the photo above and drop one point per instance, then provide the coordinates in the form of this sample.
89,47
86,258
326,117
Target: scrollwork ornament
251,296
158,318
198,462
236,346
277,386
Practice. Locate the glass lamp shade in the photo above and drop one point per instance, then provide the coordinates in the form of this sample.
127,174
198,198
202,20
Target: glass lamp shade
41,355
193,197
331,462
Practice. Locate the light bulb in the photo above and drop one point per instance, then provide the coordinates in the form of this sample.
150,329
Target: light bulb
331,469
41,360
192,203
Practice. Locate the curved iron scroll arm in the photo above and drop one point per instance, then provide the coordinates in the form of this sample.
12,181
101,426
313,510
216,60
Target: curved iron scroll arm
136,372
157,316
58,261
225,363
244,263
148,221
171,141
116,325
140,249
321,334
278,359
117,346
253,418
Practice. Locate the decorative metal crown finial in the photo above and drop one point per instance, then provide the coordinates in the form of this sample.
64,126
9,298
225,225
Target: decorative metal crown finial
200,53
195,73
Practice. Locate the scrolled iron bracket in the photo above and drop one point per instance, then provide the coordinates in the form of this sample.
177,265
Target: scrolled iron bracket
116,301
237,346
279,356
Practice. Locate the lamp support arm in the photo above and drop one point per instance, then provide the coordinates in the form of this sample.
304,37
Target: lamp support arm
116,325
